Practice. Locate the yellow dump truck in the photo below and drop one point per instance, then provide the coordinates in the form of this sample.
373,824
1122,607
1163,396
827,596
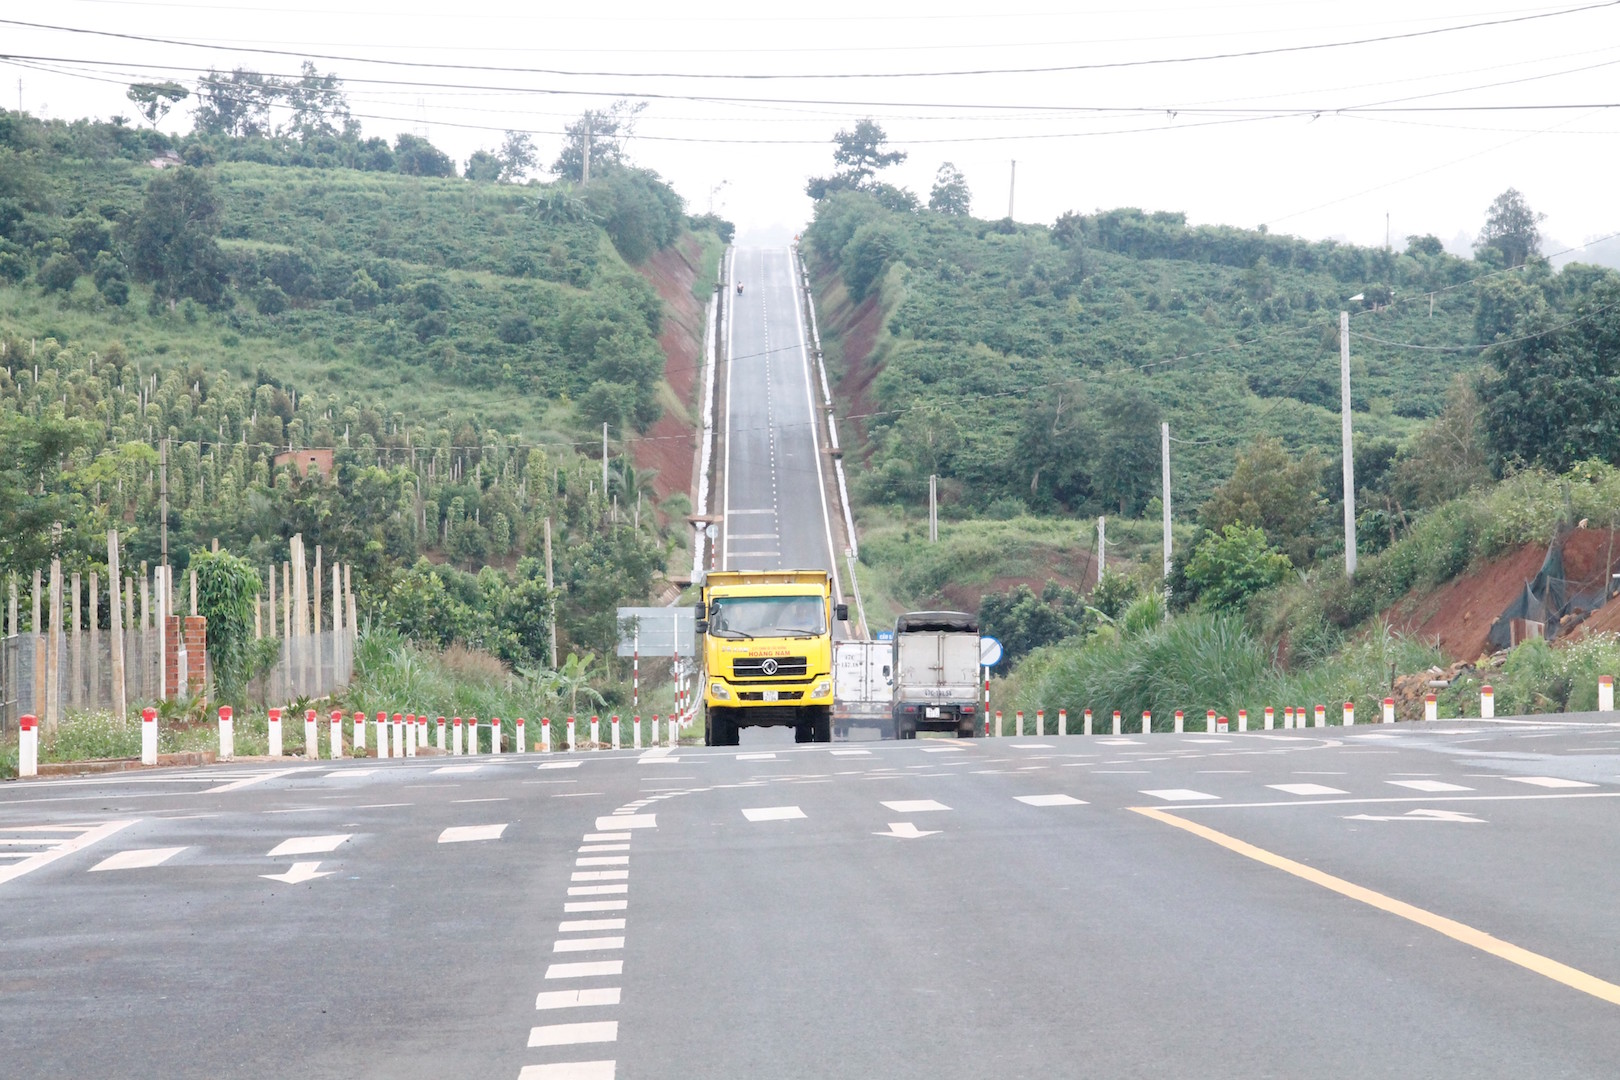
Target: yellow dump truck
767,652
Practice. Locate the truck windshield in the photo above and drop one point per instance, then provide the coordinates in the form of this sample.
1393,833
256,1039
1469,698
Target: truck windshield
768,616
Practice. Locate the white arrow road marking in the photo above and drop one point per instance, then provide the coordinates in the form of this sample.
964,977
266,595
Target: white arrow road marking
1423,815
308,845
773,813
915,806
905,830
137,858
459,834
300,872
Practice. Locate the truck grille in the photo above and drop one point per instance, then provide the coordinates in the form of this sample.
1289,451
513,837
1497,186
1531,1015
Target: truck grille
782,695
755,666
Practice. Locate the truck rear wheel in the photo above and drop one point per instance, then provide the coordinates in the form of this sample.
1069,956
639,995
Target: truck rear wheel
967,729
821,725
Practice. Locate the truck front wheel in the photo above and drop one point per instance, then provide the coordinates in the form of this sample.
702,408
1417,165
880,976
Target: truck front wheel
718,729
821,725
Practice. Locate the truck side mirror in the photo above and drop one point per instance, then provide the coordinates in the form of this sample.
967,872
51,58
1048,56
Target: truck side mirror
841,612
701,626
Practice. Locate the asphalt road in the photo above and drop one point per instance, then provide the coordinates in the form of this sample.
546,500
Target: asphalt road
774,518
1390,901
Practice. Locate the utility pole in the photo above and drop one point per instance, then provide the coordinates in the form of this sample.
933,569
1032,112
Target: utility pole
549,588
163,501
1102,546
1164,439
1349,460
585,169
604,463
933,509
1012,185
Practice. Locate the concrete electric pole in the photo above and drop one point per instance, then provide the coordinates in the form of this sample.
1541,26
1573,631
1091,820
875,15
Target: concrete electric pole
1349,459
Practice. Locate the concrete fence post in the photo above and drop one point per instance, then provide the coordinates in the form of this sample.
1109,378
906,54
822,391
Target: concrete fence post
1320,717
1270,718
1040,722
359,733
1119,728
1431,707
312,736
1349,714
334,749
615,733
635,726
227,734
149,736
1243,719
1085,722
545,734
1487,703
274,725
1147,722
1605,693
1389,710
1209,722
596,731
1181,721
1063,722
410,734
28,745
522,738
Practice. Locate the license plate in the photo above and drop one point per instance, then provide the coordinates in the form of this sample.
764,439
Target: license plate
772,695
931,712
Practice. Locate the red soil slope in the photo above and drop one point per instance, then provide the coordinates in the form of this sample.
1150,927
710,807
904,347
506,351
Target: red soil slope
670,446
1458,616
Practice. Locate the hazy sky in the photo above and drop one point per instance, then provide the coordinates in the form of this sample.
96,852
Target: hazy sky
1242,140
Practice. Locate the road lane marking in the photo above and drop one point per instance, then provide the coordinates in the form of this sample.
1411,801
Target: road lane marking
586,970
1033,746
582,906
628,821
1454,816
1461,932
1050,800
603,847
600,875
90,834
942,749
569,1070
1548,781
594,837
1306,789
1179,795
756,757
773,813
492,798
1428,785
454,770
850,753
137,858
597,890
603,860
461,834
308,845
574,999
597,1031
915,806
558,765
594,944
575,926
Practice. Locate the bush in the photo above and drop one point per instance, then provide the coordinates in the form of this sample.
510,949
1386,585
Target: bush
59,273
1228,568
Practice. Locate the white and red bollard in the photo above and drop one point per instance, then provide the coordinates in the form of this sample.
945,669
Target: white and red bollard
1389,710
635,727
1147,722
1181,721
1269,719
410,735
1085,722
227,734
273,726
1040,722
596,731
397,730
1605,693
996,731
1431,707
1063,722
1349,714
28,744
358,741
545,734
440,735
472,734
615,733
149,736
1487,703
1209,721
1119,728
571,734
455,746
1288,717
522,739
312,738
422,731
1319,719
1223,725
1243,719
382,735
335,749
496,734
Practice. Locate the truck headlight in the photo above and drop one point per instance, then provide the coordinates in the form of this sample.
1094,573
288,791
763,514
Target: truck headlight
718,690
823,688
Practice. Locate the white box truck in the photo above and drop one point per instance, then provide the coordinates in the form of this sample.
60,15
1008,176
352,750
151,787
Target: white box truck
936,673
862,690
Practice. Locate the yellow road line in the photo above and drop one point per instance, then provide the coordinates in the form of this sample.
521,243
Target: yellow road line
1451,928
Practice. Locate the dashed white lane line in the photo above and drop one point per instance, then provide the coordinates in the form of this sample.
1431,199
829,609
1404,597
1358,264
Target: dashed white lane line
1033,746
1428,785
575,926
460,834
1179,795
585,970
453,770
1307,789
628,821
583,848
574,999
941,749
603,860
600,875
597,890
558,765
587,944
1050,800
595,837
351,772
850,753
597,1031
756,757
137,858
773,813
308,845
581,906
915,806
1548,781
569,1070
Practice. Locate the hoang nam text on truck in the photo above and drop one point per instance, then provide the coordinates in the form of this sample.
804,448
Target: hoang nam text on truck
767,652
936,673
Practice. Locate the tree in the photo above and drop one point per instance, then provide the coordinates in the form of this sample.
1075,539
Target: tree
1023,622
1126,469
237,105
1229,567
860,155
319,106
154,100
32,495
227,590
950,194
415,156
59,274
484,166
517,156
1449,456
605,131
1273,491
1511,228
174,238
